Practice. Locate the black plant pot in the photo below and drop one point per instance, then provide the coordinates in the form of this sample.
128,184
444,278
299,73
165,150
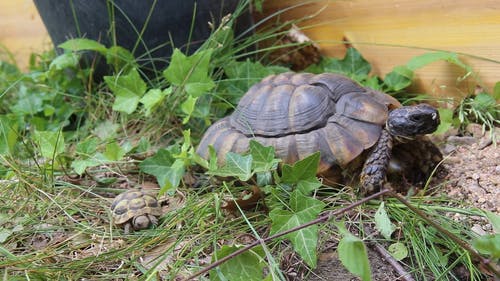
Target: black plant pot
169,21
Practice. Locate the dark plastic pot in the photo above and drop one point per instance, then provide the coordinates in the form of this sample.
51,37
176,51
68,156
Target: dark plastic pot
168,21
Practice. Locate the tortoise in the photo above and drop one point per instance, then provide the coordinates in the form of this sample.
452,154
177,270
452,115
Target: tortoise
135,209
350,125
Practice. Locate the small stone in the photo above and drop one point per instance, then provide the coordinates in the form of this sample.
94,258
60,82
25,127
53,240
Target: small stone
497,169
449,148
475,176
475,130
478,229
464,140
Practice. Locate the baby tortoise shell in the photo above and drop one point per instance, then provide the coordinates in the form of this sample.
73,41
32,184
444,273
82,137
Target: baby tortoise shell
135,209
301,113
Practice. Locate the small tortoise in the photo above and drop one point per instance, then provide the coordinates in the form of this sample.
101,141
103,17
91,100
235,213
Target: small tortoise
301,113
135,209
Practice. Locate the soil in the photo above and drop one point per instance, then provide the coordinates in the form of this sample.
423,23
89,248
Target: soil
472,179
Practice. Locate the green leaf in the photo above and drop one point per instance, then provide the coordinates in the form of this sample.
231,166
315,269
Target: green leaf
63,61
4,234
113,151
353,254
153,98
307,186
398,251
8,134
235,166
243,75
187,107
446,118
301,170
383,223
484,102
399,78
121,59
427,58
246,266
50,143
87,147
191,72
105,130
83,44
167,170
81,164
352,65
263,157
494,220
488,245
303,209
128,90
496,91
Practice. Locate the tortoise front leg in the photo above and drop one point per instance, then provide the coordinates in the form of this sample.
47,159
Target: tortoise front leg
375,168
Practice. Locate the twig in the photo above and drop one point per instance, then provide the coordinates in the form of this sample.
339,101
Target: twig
484,261
404,275
320,219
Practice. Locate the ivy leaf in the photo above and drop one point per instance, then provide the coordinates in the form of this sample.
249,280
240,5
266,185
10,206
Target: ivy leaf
63,61
120,58
383,223
246,266
398,251
353,65
192,72
243,75
128,90
167,170
303,209
399,78
8,134
153,98
113,151
263,157
235,166
80,165
187,108
51,143
83,44
301,170
488,245
87,147
353,254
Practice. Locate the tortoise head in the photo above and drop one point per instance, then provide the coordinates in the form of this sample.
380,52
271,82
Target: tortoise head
409,121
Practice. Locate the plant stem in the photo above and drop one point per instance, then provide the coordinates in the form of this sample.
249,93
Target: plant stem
320,219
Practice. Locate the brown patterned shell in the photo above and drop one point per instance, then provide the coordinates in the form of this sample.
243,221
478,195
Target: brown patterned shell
133,203
301,113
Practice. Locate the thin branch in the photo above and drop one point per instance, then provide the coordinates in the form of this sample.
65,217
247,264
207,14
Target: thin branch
320,219
404,275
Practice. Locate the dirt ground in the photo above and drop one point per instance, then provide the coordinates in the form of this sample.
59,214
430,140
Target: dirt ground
472,166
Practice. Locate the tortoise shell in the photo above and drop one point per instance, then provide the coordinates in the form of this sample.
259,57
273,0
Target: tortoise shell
133,203
301,113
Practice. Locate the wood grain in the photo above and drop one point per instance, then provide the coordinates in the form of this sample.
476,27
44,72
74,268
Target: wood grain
21,31
389,33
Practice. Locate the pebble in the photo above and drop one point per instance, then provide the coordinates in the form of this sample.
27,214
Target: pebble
478,229
497,169
458,140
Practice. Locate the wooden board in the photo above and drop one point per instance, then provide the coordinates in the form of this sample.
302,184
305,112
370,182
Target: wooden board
21,31
390,32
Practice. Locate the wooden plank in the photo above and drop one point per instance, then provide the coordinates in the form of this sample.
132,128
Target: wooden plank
21,31
390,32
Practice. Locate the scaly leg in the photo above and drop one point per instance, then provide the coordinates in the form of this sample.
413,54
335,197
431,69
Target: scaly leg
375,168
